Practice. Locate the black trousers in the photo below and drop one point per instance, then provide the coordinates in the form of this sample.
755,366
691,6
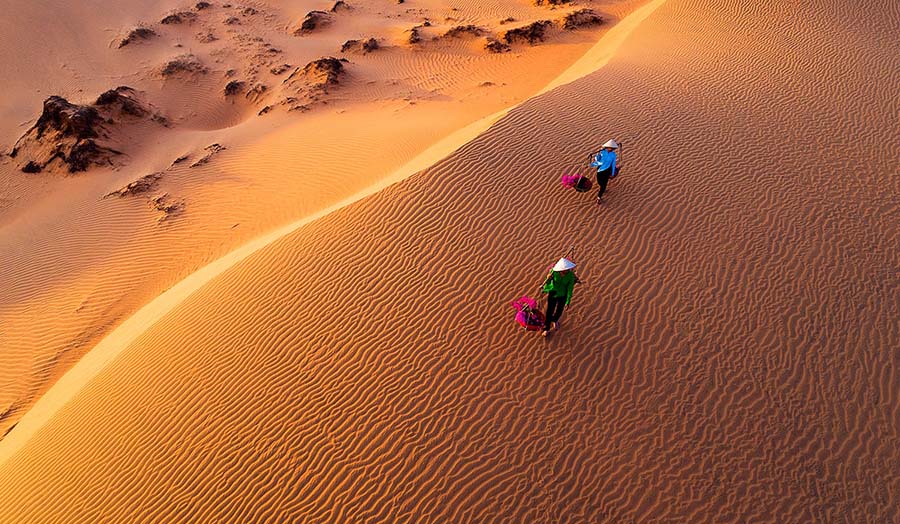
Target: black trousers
603,179
555,307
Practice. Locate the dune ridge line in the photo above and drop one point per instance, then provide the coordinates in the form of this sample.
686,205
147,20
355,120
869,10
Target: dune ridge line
95,360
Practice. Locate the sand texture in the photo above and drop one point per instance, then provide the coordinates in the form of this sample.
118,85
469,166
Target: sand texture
732,355
237,135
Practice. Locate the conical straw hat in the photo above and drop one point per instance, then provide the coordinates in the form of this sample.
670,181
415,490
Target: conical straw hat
612,144
563,265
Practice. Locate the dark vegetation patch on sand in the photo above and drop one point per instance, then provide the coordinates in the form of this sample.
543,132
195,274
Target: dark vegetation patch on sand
235,87
495,46
183,64
581,18
464,30
532,33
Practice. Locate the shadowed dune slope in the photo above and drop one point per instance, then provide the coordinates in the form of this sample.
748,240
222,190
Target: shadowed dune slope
731,356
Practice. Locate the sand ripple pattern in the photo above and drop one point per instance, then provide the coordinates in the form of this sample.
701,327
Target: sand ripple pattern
732,356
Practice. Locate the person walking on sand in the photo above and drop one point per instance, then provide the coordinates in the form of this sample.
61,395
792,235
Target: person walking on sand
558,286
605,162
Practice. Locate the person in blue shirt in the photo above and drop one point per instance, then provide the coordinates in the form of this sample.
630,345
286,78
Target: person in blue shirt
605,162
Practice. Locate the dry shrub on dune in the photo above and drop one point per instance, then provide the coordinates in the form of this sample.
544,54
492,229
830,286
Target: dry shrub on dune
581,18
531,33
180,17
495,46
183,64
464,30
235,87
138,34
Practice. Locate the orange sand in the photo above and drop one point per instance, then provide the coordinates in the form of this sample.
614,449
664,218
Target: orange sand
77,264
730,357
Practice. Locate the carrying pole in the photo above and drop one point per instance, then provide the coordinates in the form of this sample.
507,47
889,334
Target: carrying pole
618,157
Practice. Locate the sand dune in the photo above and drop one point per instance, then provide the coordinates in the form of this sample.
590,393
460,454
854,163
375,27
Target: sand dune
125,334
731,356
77,263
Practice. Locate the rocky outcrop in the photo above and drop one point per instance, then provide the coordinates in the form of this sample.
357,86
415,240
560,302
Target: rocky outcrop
64,132
551,2
531,33
211,151
340,6
180,17
167,206
279,69
360,46
415,35
206,37
312,82
256,93
312,21
319,74
122,100
75,137
142,185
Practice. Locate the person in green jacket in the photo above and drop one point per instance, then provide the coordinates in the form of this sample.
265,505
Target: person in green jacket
558,286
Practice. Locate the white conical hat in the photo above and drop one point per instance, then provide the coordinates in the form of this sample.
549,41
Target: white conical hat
612,143
563,264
